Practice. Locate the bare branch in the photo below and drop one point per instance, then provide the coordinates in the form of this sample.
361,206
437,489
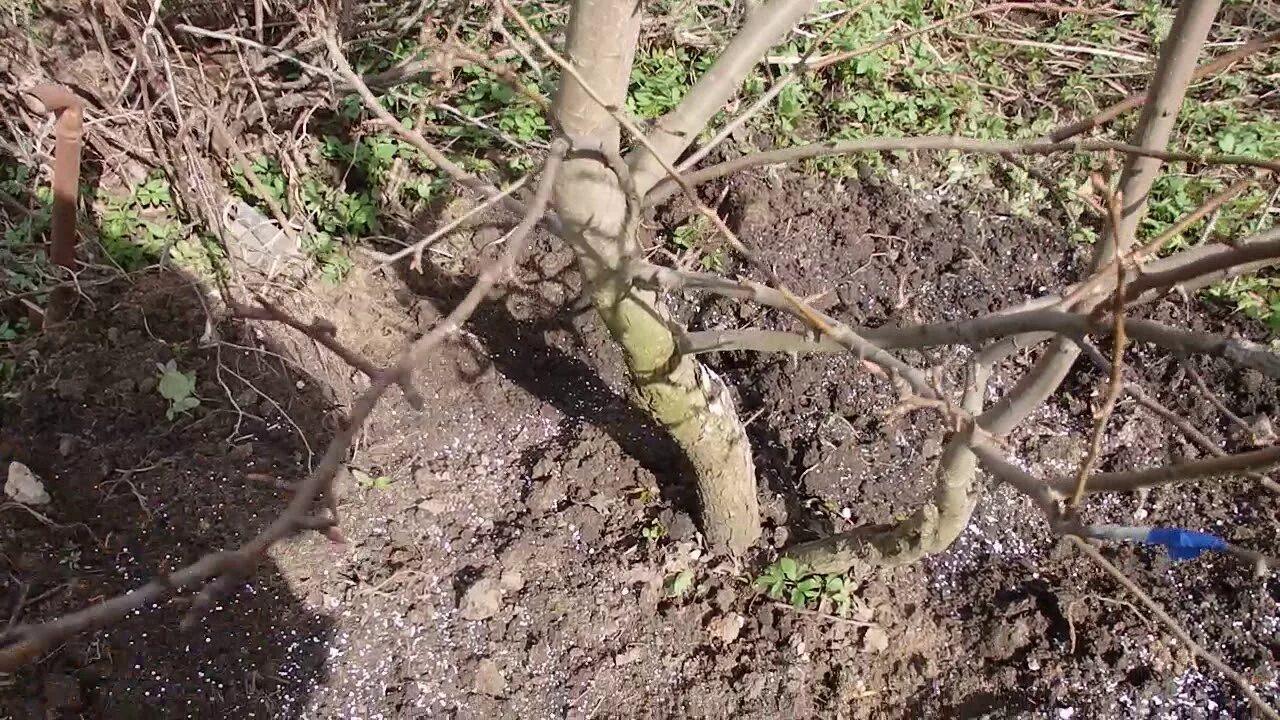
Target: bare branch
1225,466
23,644
995,463
755,340
417,248
675,131
415,138
667,188
1176,629
1137,100
1204,265
656,276
1168,87
967,332
1180,422
799,69
323,332
1115,382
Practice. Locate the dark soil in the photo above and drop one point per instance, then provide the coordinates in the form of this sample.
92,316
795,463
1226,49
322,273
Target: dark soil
502,570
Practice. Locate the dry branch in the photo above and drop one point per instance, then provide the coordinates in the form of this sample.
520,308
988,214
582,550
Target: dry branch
1173,74
1216,467
324,332
667,188
1114,383
1137,100
676,130
1177,630
967,332
25,643
415,138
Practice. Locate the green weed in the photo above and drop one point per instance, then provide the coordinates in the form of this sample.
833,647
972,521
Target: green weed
178,387
371,482
678,584
786,579
653,531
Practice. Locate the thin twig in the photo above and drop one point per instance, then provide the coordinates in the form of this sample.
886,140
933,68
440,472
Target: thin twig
417,248
667,188
986,10
415,138
25,643
1189,430
1114,203
1225,466
1137,100
799,69
324,332
1213,398
1176,629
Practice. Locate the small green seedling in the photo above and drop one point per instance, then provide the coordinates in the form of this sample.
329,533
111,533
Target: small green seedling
654,531
178,387
369,482
779,577
788,579
644,493
10,331
679,584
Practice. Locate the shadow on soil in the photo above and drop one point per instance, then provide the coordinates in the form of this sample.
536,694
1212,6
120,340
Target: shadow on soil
534,337
135,493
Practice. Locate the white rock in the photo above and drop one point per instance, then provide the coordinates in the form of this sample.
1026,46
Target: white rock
482,600
24,486
726,627
511,581
876,640
489,679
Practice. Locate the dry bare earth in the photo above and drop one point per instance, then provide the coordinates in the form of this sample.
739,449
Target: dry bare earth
502,572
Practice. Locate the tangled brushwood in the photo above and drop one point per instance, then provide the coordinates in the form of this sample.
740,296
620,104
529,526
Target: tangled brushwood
599,176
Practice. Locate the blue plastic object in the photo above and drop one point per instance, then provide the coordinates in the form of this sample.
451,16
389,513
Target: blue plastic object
1185,544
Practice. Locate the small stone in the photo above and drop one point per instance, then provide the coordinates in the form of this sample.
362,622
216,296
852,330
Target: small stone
489,680
876,640
626,657
482,600
543,468
422,477
432,506
546,495
511,581
600,503
1261,431
726,628
24,486
66,445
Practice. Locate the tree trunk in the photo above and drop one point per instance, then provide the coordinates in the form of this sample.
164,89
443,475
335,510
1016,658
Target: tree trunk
681,395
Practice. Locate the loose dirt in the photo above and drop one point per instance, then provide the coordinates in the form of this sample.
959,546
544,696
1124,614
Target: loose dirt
497,565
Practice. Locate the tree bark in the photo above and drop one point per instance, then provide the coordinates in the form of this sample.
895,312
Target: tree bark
681,395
